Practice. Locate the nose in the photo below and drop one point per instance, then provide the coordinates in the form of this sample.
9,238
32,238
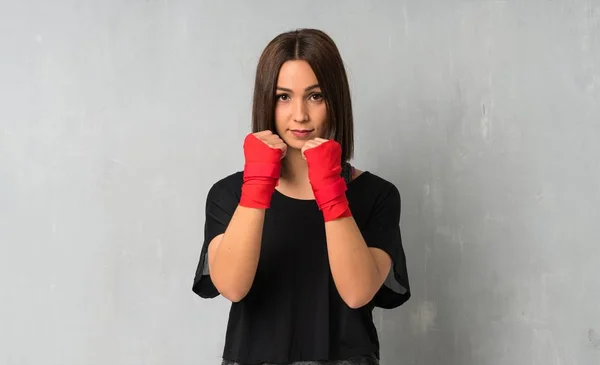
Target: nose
300,112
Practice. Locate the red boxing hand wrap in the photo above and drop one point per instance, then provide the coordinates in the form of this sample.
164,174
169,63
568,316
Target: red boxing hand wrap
324,169
258,170
261,173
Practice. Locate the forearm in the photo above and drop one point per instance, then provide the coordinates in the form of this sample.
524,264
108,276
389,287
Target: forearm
235,259
353,267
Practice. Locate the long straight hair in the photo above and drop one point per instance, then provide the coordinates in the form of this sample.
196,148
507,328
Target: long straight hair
320,52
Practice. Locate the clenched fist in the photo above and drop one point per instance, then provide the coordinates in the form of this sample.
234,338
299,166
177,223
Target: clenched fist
312,144
324,160
272,140
263,152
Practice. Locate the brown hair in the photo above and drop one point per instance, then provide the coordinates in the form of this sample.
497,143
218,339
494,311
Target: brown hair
321,53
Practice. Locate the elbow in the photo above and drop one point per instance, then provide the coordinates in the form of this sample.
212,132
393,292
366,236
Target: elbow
234,296
228,287
356,301
355,304
357,296
231,286
232,293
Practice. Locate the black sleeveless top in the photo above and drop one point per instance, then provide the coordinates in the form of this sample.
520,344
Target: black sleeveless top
293,311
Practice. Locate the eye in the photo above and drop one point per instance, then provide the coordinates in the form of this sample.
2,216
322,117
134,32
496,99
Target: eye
283,97
316,97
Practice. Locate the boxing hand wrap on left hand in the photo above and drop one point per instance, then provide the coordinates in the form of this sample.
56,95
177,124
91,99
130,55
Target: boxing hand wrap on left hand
324,172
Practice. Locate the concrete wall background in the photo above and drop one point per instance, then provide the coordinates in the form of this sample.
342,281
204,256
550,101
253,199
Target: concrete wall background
117,116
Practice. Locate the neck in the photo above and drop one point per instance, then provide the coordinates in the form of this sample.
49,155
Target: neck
294,169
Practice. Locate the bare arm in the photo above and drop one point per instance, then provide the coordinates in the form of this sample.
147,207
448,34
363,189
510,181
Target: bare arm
358,270
233,256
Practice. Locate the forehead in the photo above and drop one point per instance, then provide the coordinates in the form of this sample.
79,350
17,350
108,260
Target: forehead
296,74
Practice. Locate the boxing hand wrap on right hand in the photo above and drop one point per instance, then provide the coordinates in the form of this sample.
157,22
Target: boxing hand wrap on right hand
261,173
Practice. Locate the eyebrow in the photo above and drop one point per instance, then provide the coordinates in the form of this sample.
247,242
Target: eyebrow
290,90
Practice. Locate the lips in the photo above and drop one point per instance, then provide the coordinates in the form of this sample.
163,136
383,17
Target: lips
301,133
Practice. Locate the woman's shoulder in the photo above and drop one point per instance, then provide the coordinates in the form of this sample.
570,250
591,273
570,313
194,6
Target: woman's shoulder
233,180
227,186
369,192
367,180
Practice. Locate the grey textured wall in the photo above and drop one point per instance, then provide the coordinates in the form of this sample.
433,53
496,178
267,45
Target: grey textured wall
117,116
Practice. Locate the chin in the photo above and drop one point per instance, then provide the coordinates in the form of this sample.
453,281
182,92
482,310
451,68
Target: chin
293,141
294,144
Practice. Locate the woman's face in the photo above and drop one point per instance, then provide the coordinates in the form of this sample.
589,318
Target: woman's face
300,110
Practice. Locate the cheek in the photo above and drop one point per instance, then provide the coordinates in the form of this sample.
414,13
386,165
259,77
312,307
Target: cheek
320,118
279,120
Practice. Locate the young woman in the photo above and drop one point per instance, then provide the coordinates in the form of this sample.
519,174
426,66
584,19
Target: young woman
302,244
